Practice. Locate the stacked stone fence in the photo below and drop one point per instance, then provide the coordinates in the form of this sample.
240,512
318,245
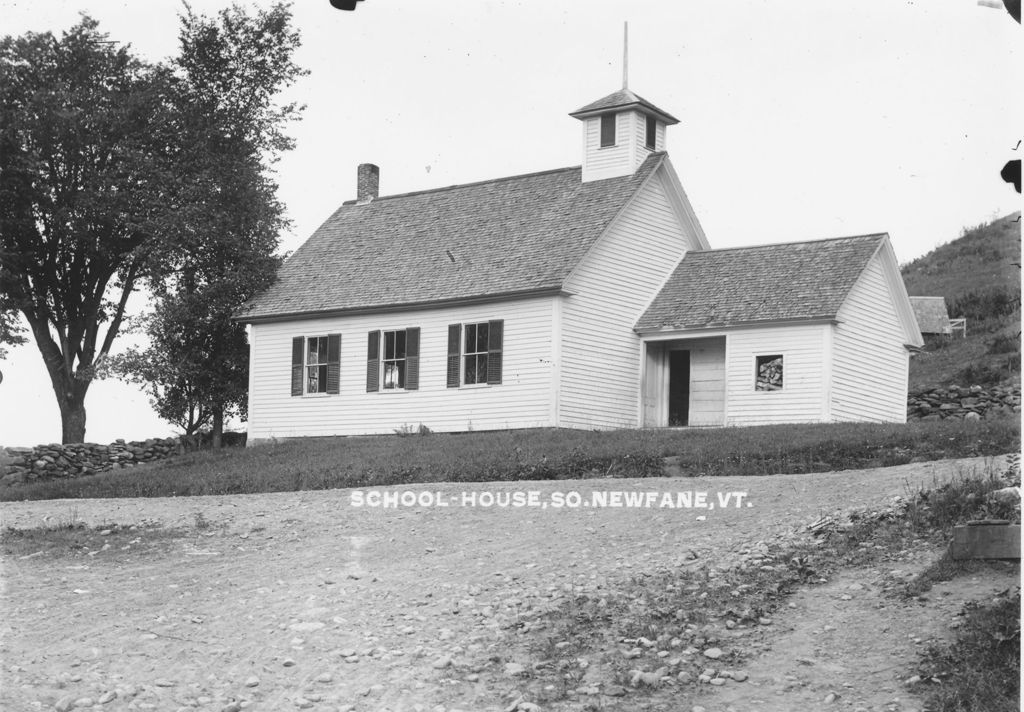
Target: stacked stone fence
972,403
47,462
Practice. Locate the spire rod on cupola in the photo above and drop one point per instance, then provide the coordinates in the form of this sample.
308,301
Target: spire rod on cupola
625,55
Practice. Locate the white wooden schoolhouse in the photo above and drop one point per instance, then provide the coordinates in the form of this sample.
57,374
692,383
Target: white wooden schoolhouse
583,297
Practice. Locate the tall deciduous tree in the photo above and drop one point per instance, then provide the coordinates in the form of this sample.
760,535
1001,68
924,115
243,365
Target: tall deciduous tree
81,181
230,70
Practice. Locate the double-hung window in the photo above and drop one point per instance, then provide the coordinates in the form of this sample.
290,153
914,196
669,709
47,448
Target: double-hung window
316,364
393,360
475,353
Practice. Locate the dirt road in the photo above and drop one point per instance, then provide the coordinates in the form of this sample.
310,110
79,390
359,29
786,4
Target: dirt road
304,601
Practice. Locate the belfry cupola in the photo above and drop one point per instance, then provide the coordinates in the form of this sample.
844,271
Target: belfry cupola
619,132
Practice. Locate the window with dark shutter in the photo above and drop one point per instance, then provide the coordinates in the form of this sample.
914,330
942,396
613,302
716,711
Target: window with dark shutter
652,132
334,363
474,356
412,359
297,354
607,130
495,344
373,362
454,339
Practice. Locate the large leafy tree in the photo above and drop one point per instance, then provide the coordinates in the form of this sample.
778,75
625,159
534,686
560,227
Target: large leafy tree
82,182
117,174
230,70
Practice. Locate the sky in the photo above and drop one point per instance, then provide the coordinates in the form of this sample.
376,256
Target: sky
798,120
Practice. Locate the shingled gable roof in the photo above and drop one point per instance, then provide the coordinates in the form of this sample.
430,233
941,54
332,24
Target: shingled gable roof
511,236
787,282
931,314
623,99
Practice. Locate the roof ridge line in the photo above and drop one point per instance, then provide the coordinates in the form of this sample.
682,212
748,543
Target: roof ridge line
793,242
464,185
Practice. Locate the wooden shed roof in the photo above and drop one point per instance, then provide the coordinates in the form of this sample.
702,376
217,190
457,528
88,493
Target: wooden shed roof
931,314
785,282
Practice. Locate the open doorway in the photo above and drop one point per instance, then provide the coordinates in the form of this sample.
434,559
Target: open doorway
678,388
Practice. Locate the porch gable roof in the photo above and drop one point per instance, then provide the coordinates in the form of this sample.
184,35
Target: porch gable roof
795,281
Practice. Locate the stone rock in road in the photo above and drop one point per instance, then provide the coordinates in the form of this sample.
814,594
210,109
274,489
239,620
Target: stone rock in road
713,653
514,669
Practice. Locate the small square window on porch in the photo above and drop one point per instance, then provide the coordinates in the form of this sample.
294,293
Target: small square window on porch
768,373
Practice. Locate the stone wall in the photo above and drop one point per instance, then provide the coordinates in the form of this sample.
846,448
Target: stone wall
972,403
47,462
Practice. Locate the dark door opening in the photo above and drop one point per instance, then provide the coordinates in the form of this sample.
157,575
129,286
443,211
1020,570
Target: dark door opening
678,388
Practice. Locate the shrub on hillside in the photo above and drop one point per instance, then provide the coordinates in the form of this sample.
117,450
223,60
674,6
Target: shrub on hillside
986,304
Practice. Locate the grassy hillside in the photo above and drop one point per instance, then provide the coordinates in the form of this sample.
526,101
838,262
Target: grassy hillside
982,257
979,275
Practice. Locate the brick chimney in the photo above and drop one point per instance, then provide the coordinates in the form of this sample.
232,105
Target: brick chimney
367,183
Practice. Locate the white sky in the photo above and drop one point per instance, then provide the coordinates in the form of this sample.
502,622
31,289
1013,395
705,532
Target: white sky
799,120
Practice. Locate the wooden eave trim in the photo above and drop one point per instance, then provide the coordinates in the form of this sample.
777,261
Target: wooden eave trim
402,306
669,332
636,106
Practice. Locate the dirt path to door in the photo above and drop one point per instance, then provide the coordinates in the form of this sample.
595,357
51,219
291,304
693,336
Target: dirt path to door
304,601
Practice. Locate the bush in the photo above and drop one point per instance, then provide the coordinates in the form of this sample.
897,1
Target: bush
1004,344
986,304
981,671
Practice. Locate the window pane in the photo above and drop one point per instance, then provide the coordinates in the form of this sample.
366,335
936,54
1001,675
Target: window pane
470,337
481,339
390,375
608,130
481,369
311,379
311,355
389,344
400,366
471,369
769,373
399,344
321,386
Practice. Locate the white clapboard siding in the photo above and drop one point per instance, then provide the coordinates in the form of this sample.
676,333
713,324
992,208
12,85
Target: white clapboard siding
804,375
600,355
521,400
871,361
638,123
707,381
609,161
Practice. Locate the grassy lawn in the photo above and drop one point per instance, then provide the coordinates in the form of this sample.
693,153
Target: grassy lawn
323,463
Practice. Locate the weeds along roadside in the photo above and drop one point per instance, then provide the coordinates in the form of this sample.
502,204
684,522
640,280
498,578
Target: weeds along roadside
653,629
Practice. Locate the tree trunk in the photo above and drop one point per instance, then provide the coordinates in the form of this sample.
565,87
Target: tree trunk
69,390
218,427
72,418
